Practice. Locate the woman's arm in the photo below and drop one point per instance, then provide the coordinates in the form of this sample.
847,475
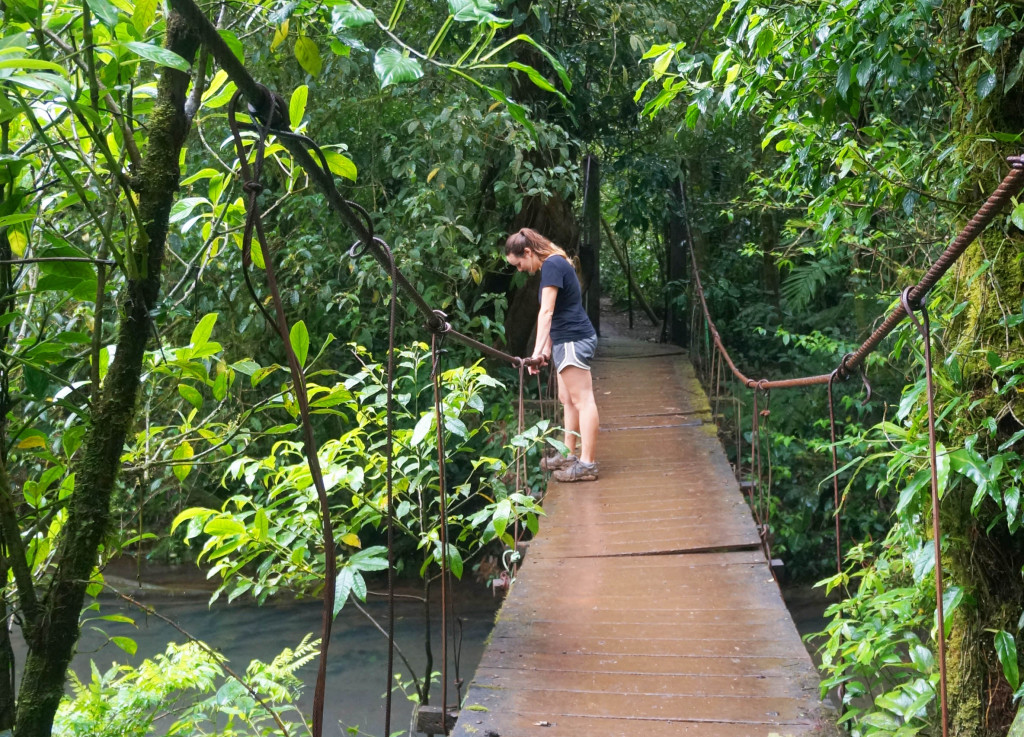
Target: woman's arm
542,347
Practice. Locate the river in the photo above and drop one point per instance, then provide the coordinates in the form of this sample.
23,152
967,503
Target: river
242,631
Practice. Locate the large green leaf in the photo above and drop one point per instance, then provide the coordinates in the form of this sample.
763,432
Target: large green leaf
394,67
474,11
159,55
347,15
144,15
1006,650
299,337
308,55
105,11
341,165
203,329
297,106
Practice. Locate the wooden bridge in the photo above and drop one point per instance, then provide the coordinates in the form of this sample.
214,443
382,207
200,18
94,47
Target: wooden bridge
645,605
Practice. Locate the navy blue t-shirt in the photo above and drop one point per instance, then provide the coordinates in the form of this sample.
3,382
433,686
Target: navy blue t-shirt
569,322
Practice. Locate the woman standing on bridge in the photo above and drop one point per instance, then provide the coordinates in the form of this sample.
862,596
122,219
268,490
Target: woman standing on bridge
565,336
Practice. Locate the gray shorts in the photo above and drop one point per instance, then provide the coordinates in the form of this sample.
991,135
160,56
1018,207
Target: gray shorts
574,353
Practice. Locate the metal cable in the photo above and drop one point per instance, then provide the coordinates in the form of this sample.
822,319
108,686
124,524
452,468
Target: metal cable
924,328
435,349
1011,185
835,469
264,108
254,223
389,450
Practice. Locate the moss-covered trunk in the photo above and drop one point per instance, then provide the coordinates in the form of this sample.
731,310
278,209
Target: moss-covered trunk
982,556
52,639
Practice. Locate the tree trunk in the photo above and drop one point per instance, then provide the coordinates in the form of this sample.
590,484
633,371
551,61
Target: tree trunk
52,639
983,558
555,220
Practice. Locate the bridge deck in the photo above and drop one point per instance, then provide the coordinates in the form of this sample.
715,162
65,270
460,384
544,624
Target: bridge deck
645,605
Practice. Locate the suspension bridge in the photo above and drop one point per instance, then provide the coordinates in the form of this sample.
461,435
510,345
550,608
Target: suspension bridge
645,605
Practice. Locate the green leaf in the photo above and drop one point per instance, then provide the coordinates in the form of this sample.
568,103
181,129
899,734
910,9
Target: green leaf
692,114
182,208
105,11
308,55
422,428
341,165
517,111
455,563
125,643
191,395
501,516
201,332
473,11
182,453
188,514
260,526
117,618
144,15
224,526
992,37
299,338
233,43
342,588
347,15
374,558
1006,650
394,67
456,426
1017,216
22,63
159,55
986,83
297,106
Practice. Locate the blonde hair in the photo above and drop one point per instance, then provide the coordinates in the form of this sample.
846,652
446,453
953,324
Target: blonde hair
525,238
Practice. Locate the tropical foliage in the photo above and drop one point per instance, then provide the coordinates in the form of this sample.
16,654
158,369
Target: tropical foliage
816,158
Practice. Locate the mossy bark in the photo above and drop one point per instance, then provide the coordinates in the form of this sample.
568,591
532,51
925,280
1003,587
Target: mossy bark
982,556
53,638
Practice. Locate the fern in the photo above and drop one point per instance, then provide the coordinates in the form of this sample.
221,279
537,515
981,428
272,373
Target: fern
805,280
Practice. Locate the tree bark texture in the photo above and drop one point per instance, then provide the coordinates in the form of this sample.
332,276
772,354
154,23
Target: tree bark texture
52,639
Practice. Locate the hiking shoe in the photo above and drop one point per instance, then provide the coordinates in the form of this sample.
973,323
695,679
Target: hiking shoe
577,471
556,461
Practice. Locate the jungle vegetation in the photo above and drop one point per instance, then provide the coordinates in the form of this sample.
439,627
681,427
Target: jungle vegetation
815,156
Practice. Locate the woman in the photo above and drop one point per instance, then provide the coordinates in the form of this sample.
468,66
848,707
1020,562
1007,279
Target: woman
565,336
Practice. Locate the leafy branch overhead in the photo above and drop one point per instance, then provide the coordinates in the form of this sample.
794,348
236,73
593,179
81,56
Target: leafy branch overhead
399,61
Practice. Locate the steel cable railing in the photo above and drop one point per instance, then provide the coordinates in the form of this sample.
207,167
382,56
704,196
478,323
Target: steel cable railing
267,110
912,300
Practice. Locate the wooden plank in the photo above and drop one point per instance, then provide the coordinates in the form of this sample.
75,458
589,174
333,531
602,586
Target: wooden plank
614,626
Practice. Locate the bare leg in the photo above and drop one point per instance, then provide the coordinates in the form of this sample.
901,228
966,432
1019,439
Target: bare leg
571,421
579,386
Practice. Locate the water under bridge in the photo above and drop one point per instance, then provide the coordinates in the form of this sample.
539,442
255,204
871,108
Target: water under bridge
645,605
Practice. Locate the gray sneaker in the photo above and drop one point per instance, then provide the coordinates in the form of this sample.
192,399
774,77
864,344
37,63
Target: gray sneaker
555,461
577,471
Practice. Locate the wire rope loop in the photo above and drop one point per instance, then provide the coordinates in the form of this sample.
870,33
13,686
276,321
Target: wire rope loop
910,309
439,324
367,237
843,372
